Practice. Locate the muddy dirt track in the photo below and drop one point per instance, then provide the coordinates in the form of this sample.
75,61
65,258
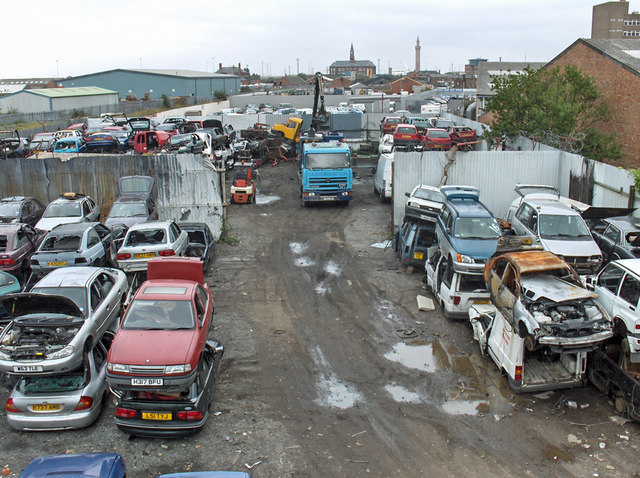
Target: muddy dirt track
330,370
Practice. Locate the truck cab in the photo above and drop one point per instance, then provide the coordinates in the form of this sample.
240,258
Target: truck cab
326,172
291,130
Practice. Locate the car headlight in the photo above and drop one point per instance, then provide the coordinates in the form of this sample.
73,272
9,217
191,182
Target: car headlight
65,352
4,356
464,259
183,368
117,367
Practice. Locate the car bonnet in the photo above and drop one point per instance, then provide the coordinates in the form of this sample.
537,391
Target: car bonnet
18,305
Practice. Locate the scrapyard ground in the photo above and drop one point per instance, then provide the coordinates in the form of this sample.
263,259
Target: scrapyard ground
331,370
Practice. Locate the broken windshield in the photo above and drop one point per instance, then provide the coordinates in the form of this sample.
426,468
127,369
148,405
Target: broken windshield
69,242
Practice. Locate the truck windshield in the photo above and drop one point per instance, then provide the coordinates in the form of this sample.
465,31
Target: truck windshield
327,161
476,228
557,226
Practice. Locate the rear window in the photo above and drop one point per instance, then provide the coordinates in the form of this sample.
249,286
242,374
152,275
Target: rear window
53,383
165,290
438,134
472,283
405,129
196,237
159,315
61,243
4,243
393,120
146,236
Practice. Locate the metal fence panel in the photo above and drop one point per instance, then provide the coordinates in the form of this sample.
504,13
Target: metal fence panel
188,187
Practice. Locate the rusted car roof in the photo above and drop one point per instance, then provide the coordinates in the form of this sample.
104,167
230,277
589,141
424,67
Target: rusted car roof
529,262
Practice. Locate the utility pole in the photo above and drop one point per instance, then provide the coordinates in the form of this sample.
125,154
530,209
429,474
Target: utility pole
379,66
289,70
213,64
140,59
297,66
57,69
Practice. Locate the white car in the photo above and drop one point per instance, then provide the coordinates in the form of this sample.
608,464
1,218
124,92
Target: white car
386,144
147,240
382,179
424,203
69,208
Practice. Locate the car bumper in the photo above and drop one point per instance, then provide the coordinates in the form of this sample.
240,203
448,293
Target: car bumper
41,367
169,382
323,196
44,421
421,214
587,340
155,428
135,265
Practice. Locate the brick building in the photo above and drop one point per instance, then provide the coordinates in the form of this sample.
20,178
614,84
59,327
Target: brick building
612,20
352,68
615,66
405,84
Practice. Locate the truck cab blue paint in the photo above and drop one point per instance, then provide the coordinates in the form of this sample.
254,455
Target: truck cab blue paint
326,172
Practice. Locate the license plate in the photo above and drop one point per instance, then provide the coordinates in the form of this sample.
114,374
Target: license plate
27,368
156,416
418,255
482,301
45,407
327,198
57,264
427,218
144,255
149,382
406,136
100,138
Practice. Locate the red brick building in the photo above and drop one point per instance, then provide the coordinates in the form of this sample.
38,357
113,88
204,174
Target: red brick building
404,84
615,66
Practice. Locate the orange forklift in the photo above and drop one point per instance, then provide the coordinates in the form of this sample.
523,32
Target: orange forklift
243,188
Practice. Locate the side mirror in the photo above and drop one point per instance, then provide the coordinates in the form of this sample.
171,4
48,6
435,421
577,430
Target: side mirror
407,194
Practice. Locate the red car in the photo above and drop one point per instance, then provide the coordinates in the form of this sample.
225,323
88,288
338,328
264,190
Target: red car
407,136
150,141
436,138
164,329
388,124
462,134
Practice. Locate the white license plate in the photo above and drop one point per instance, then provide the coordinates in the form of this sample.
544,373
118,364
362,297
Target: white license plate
327,199
428,218
27,368
149,382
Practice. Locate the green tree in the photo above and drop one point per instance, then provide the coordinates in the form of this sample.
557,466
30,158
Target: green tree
166,102
245,89
220,95
554,103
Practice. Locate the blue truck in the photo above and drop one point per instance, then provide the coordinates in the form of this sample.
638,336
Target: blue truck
326,172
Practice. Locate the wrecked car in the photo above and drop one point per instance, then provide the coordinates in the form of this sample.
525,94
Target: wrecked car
149,141
12,145
58,322
201,242
424,203
69,207
185,143
135,203
18,242
618,237
20,209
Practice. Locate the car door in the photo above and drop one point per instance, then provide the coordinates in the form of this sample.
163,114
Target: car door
607,286
182,239
95,253
111,299
94,215
106,238
153,209
608,241
625,305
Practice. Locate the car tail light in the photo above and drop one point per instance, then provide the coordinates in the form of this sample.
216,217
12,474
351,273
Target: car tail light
456,300
123,257
11,407
637,327
84,404
7,262
125,412
81,260
518,376
190,415
168,252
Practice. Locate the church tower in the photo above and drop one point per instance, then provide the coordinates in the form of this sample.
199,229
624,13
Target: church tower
352,55
418,56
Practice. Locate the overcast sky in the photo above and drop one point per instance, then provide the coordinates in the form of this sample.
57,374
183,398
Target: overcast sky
80,37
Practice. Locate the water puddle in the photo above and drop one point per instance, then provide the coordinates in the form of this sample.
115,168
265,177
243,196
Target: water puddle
418,354
554,453
322,289
332,268
297,247
466,407
401,394
303,262
334,393
264,199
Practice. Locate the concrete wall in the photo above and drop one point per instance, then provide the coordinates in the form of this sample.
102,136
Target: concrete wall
188,188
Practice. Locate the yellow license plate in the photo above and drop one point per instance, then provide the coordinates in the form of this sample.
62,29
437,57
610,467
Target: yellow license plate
45,407
156,416
482,301
418,255
144,255
406,136
56,264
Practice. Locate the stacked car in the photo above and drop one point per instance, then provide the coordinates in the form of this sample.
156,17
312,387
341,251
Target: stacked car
161,365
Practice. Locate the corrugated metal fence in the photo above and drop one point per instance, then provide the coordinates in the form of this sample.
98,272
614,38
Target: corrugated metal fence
188,187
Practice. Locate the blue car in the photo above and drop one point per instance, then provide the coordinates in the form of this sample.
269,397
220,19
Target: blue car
72,144
97,465
467,232
8,285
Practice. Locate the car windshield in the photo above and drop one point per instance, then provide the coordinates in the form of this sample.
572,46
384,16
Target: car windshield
196,237
476,228
429,195
9,209
159,315
128,209
62,145
327,160
68,242
438,134
67,382
77,294
145,236
561,226
63,209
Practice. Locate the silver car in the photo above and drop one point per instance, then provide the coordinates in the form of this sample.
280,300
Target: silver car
65,401
69,207
136,201
60,319
147,240
80,244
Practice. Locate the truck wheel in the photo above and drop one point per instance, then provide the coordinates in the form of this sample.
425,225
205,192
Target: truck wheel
620,404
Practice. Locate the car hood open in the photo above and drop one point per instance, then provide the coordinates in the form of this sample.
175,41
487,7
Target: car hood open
26,303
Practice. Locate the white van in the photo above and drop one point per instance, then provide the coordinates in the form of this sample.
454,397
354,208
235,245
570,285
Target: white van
382,181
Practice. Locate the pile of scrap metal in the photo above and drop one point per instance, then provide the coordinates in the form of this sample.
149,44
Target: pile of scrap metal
254,151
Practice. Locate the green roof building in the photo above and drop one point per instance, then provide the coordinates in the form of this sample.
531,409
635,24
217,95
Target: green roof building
40,100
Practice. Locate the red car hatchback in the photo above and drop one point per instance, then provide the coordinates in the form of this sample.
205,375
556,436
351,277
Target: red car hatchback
407,136
164,329
436,139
